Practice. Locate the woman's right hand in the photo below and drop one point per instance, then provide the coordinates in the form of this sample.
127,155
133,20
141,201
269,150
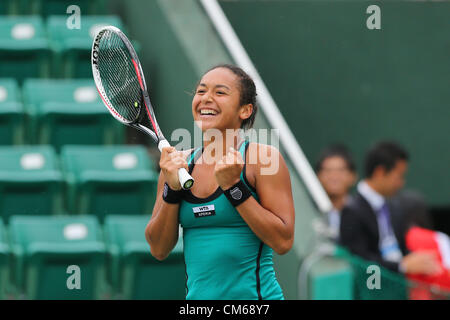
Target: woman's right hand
171,160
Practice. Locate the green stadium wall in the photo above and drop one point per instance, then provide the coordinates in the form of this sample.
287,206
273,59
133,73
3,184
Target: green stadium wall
335,80
179,43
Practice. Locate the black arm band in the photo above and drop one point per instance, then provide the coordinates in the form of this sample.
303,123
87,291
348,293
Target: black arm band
170,195
238,193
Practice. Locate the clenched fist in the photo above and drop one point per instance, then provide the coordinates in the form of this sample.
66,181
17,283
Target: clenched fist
171,160
228,169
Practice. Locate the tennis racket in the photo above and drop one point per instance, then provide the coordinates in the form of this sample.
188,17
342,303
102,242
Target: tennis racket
121,84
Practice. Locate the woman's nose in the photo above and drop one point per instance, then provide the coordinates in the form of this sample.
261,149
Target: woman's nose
206,97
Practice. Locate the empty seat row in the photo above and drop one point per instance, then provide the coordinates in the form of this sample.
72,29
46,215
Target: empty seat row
56,112
96,180
11,113
49,7
73,257
32,48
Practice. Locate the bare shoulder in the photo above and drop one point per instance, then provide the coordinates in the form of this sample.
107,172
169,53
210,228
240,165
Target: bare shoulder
264,160
260,147
270,177
262,154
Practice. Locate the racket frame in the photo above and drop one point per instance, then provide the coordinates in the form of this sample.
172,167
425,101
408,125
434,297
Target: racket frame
184,177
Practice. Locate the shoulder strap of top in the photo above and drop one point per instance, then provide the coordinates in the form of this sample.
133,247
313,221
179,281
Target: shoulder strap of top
243,151
243,147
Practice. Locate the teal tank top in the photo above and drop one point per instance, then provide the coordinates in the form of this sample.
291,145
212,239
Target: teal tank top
224,258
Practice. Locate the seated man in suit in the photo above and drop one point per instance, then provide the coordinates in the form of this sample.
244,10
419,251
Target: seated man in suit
337,174
372,226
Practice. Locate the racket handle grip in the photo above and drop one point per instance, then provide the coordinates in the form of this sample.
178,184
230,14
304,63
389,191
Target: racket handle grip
186,181
163,144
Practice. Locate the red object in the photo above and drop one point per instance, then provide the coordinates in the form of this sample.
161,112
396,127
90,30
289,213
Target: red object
420,239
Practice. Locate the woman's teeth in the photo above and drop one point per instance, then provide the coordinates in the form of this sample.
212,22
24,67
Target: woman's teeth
208,112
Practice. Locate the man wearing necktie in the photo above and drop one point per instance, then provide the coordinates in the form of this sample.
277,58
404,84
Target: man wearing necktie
372,226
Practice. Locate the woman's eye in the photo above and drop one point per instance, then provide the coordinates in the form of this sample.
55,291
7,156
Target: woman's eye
220,92
200,91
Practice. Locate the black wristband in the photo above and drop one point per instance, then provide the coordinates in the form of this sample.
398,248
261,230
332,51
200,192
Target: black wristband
238,193
170,195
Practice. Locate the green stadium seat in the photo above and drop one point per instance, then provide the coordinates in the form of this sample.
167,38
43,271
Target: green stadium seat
76,123
44,249
12,7
4,7
24,48
9,7
11,113
135,273
30,181
23,7
4,263
68,111
49,7
72,47
9,90
37,91
106,180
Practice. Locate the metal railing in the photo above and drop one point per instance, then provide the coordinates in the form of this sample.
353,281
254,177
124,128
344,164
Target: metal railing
268,105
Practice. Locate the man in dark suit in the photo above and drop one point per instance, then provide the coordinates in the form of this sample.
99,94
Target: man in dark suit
374,227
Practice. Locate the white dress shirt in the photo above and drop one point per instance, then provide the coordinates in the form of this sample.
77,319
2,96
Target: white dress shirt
334,222
375,199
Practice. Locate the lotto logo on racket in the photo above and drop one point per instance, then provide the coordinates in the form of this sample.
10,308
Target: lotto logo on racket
95,50
204,211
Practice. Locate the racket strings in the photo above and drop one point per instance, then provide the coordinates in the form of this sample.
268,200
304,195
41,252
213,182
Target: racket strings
119,78
122,78
119,73
119,81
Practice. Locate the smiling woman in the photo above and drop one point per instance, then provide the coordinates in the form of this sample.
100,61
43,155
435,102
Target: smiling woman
235,215
228,89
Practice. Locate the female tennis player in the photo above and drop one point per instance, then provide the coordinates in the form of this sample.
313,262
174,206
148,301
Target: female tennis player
234,215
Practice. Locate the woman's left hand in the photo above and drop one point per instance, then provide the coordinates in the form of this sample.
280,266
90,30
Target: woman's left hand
228,170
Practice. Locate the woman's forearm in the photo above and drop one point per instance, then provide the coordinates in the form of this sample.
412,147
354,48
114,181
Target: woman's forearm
267,226
162,230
